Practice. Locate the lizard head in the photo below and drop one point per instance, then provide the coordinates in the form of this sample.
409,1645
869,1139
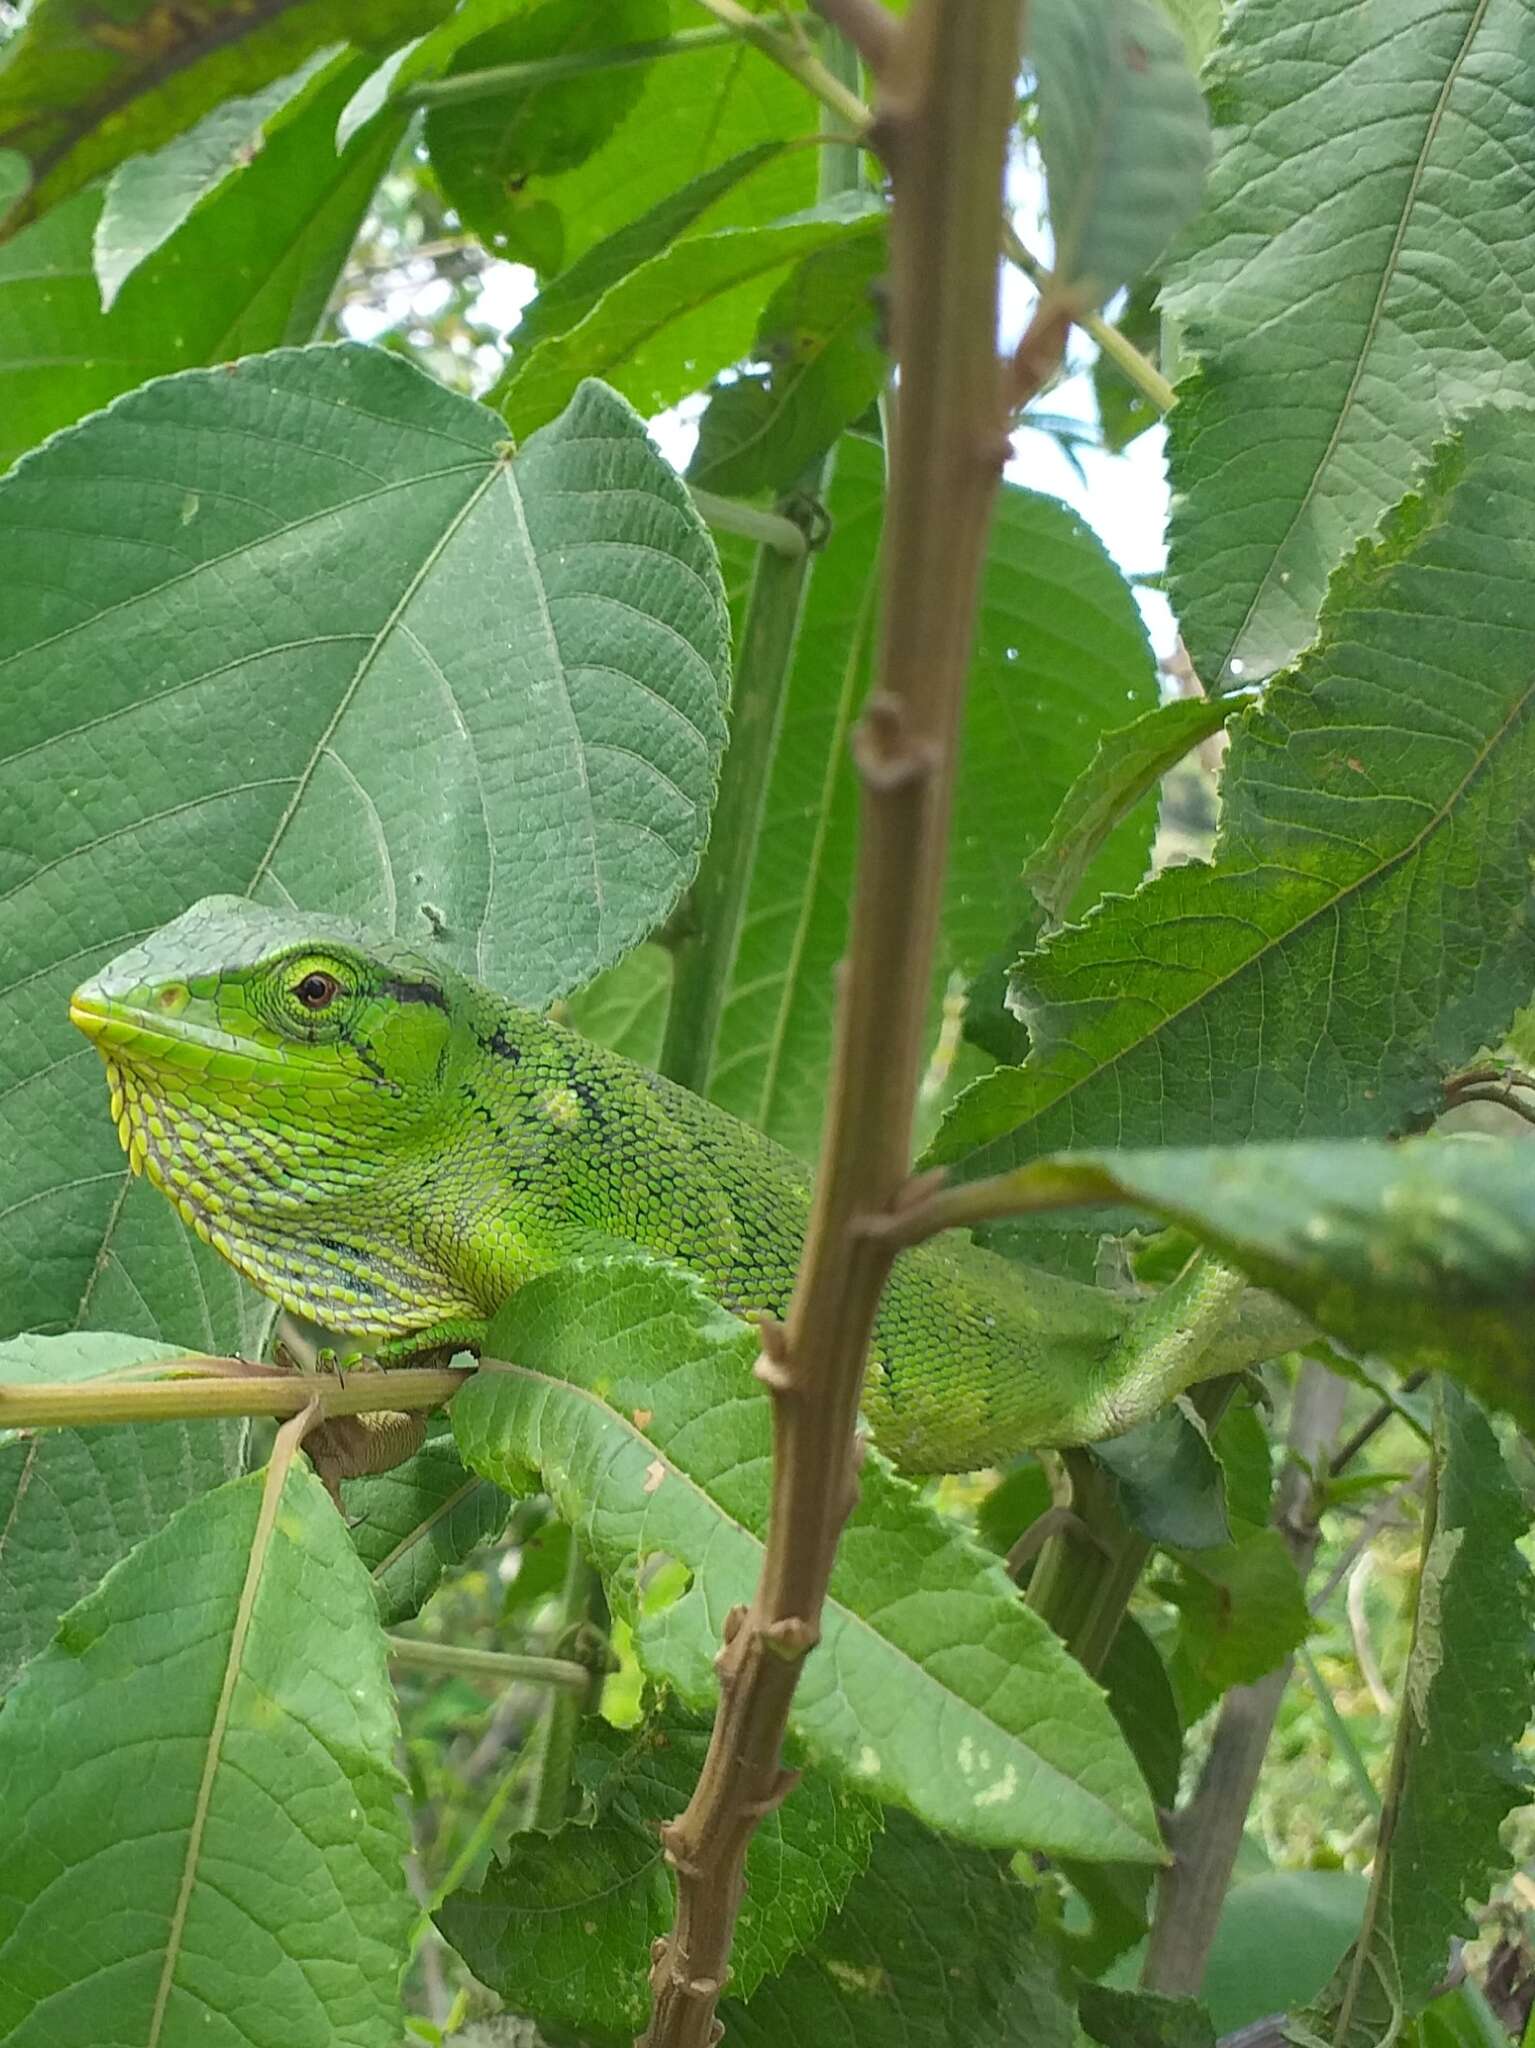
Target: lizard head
269,1072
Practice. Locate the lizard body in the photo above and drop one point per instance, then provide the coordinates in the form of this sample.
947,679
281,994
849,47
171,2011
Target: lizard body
390,1150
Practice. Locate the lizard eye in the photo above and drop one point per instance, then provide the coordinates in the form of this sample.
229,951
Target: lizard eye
317,991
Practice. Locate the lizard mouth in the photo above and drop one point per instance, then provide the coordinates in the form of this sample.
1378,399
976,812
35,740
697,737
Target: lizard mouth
232,1181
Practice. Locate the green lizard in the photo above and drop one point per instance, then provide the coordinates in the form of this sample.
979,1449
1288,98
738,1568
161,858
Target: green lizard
389,1150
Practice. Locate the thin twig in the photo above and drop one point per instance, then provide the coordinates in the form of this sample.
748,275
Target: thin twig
768,529
946,110
219,1386
1383,1515
506,1667
499,79
1373,1423
788,52
1503,1097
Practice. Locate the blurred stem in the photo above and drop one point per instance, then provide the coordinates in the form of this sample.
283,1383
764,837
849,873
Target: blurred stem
1337,1727
505,1666
1123,354
497,79
553,1744
1205,1834
770,529
705,954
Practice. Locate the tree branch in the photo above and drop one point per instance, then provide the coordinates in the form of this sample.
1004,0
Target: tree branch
946,110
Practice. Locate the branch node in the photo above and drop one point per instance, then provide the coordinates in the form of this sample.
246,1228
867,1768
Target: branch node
782,1786
888,755
791,1637
774,1367
732,1623
658,1948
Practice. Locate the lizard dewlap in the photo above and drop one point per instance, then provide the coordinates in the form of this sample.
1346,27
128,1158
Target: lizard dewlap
391,1150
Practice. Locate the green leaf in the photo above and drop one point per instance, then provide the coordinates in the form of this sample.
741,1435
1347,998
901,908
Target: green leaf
1127,763
148,197
79,94
1468,1690
1247,999
1124,136
665,328
1359,275
1144,1704
695,112
1118,1895
200,1811
548,633
819,336
566,300
1422,1249
937,1945
1466,1700
250,269
1060,651
563,1927
1242,1445
1242,1610
485,152
1279,1939
74,1501
932,1686
1170,1483
1142,2019
413,1523
625,1007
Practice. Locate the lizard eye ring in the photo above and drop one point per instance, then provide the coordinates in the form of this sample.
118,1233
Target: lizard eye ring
317,990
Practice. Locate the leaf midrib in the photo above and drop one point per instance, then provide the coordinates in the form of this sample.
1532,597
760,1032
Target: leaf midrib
1434,823
1372,327
852,1619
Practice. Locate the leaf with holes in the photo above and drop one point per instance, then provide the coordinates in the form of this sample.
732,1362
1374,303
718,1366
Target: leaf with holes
633,1396
247,1885
313,637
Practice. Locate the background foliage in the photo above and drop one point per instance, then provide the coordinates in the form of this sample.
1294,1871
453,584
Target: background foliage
343,572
